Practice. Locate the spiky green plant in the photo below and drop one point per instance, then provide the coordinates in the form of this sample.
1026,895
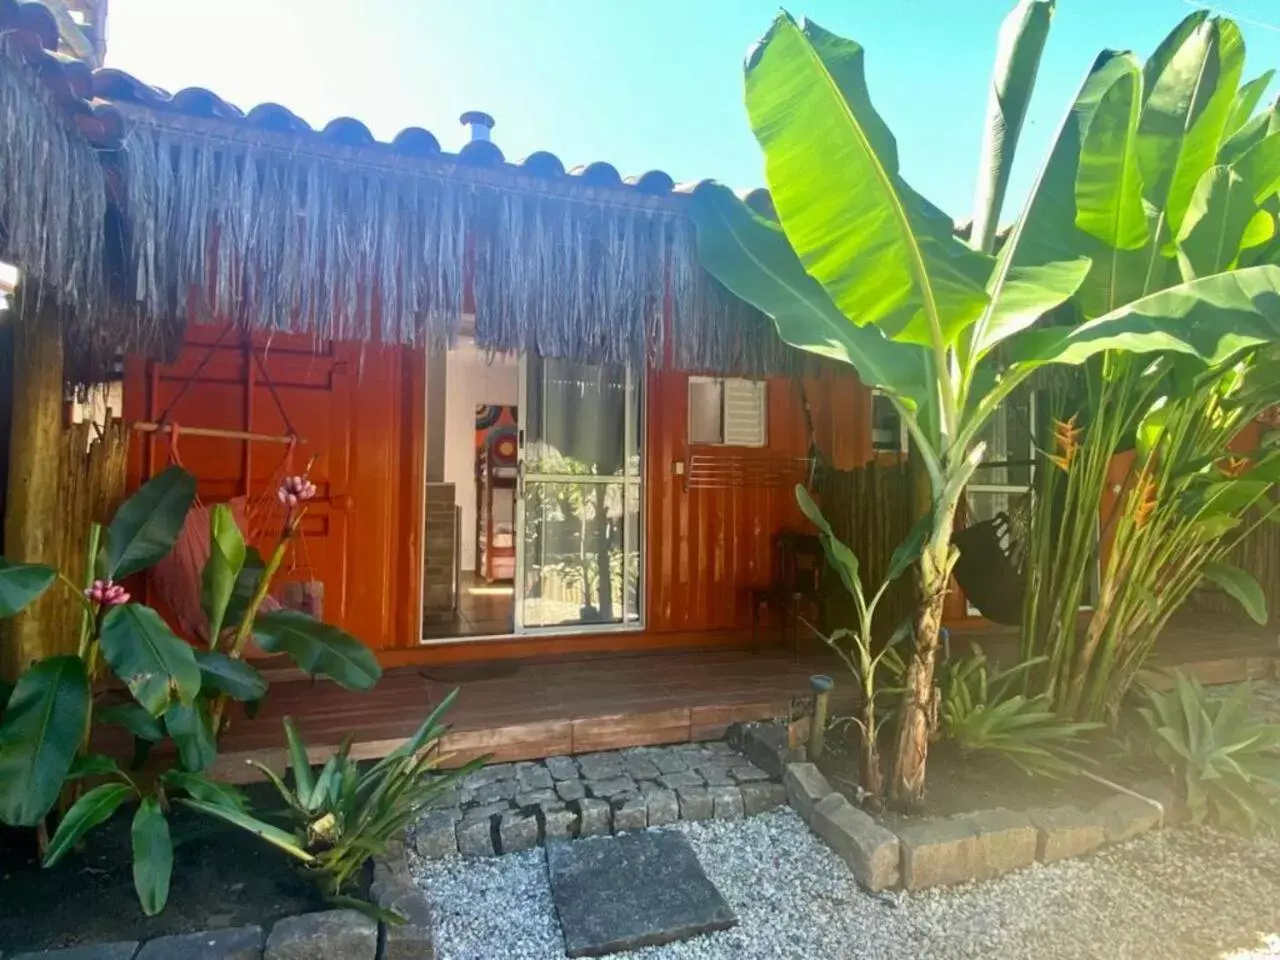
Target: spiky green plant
1227,762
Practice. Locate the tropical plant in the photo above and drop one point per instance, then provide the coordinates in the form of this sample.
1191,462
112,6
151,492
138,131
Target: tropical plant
982,712
1227,762
343,816
175,690
856,647
1192,178
860,268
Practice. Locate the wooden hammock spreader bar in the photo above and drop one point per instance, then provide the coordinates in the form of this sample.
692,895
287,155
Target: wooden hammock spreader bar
147,427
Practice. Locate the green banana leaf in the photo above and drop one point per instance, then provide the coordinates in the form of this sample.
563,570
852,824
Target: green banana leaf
147,525
1190,91
95,807
1087,200
752,258
1241,586
318,648
857,227
39,736
1214,230
152,856
1252,133
190,727
237,679
1246,101
1020,44
1213,319
158,667
226,559
21,584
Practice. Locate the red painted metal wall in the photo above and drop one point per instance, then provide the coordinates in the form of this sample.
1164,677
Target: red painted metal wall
360,413
350,405
707,546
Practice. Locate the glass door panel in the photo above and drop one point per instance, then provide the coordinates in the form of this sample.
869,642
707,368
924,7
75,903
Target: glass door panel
580,499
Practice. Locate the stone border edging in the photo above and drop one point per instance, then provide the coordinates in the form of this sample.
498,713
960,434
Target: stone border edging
966,847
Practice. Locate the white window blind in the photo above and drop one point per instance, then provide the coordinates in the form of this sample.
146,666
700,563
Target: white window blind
744,413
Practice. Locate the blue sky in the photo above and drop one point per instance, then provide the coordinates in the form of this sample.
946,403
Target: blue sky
643,84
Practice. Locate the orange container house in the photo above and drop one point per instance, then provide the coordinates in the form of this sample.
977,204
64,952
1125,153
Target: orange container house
536,425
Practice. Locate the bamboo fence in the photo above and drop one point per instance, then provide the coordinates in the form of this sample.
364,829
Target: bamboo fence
871,509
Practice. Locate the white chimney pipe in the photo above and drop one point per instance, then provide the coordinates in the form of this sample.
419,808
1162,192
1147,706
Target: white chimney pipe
480,123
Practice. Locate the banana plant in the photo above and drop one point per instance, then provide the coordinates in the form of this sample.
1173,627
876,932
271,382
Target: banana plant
860,268
176,690
1191,192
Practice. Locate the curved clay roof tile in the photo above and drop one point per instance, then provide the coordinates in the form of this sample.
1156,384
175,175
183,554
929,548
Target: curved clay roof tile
78,73
112,84
598,174
199,102
481,153
33,17
348,131
656,183
761,201
542,163
416,142
273,116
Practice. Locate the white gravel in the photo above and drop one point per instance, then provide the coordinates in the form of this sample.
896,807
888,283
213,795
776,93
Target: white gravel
1193,894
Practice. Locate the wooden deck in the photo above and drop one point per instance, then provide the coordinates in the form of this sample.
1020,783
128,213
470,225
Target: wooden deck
535,708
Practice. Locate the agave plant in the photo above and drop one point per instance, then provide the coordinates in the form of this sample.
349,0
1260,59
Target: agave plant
342,816
860,268
1226,761
981,712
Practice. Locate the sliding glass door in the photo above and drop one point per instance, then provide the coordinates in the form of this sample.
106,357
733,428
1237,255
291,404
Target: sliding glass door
579,504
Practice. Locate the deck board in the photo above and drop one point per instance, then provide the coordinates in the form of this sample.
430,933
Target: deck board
538,708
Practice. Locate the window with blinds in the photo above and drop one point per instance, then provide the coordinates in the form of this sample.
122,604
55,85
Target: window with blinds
728,411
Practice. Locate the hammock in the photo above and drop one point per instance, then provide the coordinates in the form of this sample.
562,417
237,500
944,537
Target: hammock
990,566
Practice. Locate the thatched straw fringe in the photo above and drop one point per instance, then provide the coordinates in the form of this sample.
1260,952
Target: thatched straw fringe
282,240
53,196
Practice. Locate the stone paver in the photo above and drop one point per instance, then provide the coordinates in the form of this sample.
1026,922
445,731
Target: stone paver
937,853
806,788
1006,841
594,794
329,935
410,940
517,831
1125,817
630,891
870,850
1066,832
237,943
123,950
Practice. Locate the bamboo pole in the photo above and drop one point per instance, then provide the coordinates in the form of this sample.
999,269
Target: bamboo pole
31,507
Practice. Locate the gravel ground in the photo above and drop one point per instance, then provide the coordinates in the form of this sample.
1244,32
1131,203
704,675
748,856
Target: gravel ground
1193,894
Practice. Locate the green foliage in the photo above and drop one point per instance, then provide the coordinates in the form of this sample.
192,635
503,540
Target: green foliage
178,692
861,268
318,648
21,584
146,527
342,815
152,856
39,735
226,559
1227,761
981,712
157,666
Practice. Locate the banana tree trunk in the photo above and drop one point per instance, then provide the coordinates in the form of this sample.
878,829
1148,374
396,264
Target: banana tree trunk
919,712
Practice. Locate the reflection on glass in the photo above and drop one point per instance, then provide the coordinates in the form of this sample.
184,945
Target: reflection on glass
1008,436
581,560
576,419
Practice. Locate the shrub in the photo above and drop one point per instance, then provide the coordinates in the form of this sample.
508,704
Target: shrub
1227,762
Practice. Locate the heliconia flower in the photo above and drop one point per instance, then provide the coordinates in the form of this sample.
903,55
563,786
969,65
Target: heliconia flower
1145,503
1067,436
1235,466
107,593
295,490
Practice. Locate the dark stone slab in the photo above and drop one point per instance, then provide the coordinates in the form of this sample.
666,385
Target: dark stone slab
330,935
238,943
633,890
101,951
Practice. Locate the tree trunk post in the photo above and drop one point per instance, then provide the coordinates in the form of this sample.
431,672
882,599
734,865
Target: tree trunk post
31,506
